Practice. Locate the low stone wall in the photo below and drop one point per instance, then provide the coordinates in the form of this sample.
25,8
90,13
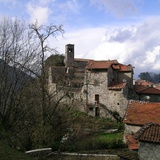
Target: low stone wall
49,155
43,152
78,156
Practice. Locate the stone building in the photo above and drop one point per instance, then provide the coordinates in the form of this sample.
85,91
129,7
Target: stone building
99,88
147,91
149,139
138,113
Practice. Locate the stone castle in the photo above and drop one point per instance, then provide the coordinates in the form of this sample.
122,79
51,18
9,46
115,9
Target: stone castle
100,88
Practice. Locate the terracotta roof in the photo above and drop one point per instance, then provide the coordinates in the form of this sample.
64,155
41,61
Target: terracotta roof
150,132
141,112
139,88
132,142
117,86
100,64
122,67
147,89
143,83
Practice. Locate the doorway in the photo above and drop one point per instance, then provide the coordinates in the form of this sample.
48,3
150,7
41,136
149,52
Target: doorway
97,112
97,98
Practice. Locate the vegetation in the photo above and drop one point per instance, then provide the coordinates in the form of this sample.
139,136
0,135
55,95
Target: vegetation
88,133
8,153
55,60
26,112
98,141
29,117
150,76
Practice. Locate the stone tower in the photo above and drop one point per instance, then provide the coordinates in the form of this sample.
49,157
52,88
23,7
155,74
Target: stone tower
69,55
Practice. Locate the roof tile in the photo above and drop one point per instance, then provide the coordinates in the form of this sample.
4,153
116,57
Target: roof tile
147,89
141,112
143,82
100,64
122,67
150,132
132,142
117,86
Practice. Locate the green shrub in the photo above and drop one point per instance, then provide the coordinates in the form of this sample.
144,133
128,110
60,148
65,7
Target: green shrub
95,142
8,153
55,146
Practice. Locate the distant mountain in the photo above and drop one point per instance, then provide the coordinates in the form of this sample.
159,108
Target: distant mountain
11,76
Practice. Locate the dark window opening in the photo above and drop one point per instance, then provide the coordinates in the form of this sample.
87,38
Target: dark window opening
97,112
96,98
70,50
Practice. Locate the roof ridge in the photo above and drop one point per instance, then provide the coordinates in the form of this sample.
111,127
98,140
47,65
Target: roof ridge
140,132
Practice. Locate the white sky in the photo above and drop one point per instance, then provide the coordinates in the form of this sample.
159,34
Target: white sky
126,30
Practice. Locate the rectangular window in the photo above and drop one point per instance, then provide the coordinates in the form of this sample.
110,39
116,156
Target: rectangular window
97,98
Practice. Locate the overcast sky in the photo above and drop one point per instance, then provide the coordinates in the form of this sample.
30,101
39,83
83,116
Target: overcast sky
126,30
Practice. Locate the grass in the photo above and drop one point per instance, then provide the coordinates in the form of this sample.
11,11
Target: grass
96,142
109,136
81,118
109,140
89,132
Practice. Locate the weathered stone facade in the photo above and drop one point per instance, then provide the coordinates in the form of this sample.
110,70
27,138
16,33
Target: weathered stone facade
92,88
149,151
98,90
131,129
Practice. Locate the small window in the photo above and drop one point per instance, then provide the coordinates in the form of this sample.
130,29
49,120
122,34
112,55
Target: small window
70,50
117,103
97,98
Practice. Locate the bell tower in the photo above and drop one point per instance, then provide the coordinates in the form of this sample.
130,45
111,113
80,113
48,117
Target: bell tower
69,55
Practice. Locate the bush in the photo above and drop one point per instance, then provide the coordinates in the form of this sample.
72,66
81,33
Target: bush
95,142
8,153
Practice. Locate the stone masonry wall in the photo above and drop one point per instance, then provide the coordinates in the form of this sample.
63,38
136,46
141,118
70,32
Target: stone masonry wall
128,77
149,151
131,129
109,100
95,84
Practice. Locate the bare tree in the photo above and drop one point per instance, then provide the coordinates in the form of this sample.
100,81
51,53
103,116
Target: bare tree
17,63
24,98
42,33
